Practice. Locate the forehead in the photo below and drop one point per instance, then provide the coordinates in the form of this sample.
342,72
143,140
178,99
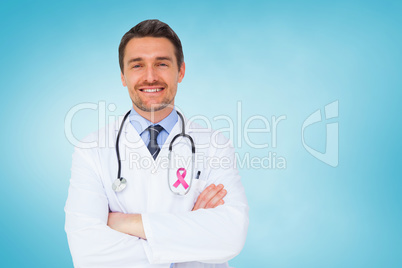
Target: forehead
149,48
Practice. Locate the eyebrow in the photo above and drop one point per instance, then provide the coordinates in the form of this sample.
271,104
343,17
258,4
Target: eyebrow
157,58
164,58
134,60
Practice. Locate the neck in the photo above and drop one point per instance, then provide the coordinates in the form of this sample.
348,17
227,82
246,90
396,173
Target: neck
157,116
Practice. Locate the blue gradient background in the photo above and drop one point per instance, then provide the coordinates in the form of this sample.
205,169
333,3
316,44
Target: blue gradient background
276,57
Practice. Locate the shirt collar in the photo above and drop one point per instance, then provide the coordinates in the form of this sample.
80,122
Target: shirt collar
140,123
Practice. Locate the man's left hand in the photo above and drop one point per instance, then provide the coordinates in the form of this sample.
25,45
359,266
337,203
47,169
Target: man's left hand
211,197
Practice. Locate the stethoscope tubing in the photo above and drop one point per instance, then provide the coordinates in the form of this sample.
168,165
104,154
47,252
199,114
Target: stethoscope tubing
117,145
120,182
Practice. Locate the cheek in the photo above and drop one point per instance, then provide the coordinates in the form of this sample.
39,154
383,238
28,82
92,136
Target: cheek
131,82
173,80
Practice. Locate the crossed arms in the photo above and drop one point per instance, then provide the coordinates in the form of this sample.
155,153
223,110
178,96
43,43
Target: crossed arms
98,238
131,224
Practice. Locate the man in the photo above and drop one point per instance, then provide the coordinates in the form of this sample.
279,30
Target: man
146,225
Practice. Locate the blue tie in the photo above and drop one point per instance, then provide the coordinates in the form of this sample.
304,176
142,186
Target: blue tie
153,146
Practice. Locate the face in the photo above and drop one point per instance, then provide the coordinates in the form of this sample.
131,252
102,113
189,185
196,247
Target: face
151,73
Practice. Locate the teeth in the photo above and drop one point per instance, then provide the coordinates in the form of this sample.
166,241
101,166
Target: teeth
152,90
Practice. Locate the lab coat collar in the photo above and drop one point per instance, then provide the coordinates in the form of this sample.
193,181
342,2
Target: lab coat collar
132,139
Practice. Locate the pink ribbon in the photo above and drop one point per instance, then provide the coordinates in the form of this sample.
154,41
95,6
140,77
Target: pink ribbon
181,178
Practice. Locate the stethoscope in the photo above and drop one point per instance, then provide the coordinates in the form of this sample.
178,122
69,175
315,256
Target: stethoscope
120,183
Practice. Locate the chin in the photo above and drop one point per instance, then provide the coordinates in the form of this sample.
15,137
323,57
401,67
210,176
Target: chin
155,107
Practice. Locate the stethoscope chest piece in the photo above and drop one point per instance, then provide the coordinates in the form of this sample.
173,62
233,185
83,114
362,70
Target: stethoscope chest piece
119,184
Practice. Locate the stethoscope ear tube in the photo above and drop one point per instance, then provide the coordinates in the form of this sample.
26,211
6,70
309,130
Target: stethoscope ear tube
182,134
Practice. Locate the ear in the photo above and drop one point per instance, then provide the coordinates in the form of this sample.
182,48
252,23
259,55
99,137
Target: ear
123,80
182,71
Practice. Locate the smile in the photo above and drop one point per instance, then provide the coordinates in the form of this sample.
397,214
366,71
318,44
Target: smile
151,89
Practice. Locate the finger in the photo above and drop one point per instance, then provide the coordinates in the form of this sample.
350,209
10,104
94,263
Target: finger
219,196
221,202
201,196
216,199
210,195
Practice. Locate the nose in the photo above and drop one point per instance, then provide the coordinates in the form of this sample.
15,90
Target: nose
150,74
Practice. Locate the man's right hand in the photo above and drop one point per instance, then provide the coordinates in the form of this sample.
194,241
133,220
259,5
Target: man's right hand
211,197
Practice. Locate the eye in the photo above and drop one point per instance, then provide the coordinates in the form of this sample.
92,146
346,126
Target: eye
136,66
163,64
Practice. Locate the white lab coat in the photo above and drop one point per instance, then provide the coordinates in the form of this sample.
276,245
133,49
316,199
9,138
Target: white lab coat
175,234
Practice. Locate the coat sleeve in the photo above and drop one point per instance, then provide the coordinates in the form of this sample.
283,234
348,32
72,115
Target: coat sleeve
92,243
206,235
